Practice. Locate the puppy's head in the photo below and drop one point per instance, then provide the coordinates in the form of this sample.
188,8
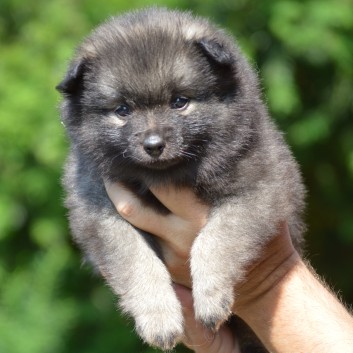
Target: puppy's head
156,93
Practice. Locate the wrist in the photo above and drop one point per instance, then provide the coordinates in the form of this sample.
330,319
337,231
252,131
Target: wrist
293,311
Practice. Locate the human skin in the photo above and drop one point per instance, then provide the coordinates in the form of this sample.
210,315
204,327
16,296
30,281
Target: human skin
282,299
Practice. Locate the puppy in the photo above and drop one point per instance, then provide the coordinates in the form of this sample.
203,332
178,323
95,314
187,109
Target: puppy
159,97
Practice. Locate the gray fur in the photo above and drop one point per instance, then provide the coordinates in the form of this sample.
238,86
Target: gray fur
223,145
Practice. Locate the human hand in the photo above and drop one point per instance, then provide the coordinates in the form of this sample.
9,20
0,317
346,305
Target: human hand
176,233
281,299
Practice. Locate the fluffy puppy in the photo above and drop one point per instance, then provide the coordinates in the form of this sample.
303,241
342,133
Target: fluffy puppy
159,97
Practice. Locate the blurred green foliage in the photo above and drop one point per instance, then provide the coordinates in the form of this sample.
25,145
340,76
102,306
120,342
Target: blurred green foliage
303,51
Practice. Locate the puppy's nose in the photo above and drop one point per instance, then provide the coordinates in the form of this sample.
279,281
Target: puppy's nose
154,145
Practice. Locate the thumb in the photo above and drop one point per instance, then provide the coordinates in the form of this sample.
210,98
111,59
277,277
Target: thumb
197,337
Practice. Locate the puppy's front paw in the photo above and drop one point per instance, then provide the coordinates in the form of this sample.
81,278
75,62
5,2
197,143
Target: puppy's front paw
161,331
161,326
212,306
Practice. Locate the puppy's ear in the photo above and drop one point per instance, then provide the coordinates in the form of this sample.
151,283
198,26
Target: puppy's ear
216,52
223,65
72,82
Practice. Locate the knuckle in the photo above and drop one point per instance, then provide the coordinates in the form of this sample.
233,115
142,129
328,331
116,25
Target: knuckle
126,209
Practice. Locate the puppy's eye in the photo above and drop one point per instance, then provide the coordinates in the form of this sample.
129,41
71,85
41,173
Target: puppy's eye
123,110
179,103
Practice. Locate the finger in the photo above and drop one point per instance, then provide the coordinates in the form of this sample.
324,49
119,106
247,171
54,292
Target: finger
182,202
197,337
171,228
131,208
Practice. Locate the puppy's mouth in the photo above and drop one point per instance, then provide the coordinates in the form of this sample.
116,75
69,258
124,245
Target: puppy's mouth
160,164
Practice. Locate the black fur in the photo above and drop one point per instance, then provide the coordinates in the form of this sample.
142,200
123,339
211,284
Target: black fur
222,145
